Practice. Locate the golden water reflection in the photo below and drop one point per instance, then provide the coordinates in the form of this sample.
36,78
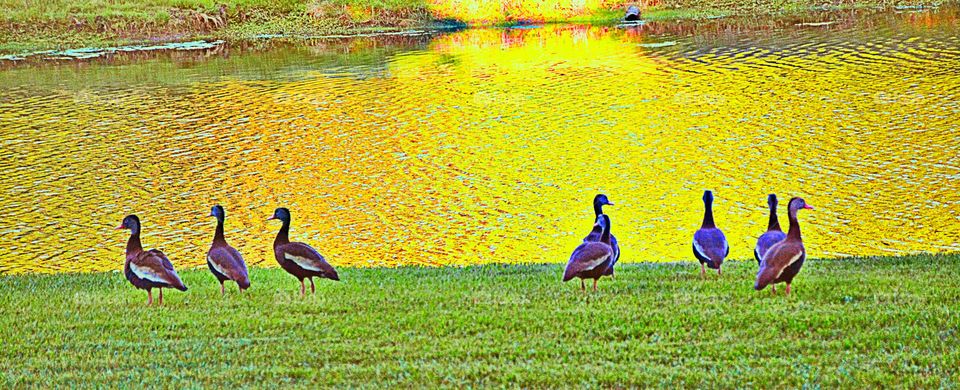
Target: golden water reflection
488,145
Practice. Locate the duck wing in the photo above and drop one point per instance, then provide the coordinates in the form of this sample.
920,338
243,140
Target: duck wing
308,258
227,261
154,266
587,256
710,244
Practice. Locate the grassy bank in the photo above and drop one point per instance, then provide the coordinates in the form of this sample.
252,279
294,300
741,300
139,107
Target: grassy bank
874,322
61,24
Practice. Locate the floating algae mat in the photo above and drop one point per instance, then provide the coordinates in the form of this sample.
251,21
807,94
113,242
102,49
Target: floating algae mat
94,52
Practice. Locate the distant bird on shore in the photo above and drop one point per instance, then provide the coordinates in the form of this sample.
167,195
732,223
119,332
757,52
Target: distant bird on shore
223,260
633,13
592,258
709,245
773,234
297,258
598,202
150,269
782,262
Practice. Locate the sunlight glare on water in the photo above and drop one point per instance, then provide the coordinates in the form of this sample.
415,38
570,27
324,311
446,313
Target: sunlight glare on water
488,145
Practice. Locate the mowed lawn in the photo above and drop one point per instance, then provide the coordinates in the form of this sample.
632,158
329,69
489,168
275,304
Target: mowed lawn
867,321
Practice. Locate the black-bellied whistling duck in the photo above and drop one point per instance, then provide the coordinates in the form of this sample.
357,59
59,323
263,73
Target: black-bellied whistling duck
773,234
598,202
297,258
709,245
150,269
592,258
782,262
225,262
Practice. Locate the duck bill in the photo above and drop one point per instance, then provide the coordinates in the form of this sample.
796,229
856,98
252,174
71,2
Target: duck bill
808,207
119,227
272,218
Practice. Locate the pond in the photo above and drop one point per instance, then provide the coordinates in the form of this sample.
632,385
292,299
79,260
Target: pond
488,145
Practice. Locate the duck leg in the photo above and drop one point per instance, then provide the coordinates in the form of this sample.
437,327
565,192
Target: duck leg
773,289
703,271
595,285
221,289
313,290
149,297
718,272
303,288
161,296
788,288
583,287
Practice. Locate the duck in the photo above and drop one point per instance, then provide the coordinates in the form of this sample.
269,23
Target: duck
598,202
633,14
709,244
150,269
223,260
297,258
773,234
591,259
783,260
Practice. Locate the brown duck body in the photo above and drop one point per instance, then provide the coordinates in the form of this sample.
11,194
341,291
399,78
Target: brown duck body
782,262
223,260
299,259
149,269
592,259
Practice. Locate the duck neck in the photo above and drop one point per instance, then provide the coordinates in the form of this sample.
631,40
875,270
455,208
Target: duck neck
708,216
605,235
218,236
774,224
283,236
133,244
794,233
597,209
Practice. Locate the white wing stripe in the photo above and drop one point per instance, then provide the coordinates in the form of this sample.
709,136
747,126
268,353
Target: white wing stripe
699,249
596,262
146,273
303,262
792,260
216,266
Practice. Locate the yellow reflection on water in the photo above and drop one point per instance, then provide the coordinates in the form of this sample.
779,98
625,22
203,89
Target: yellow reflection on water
489,145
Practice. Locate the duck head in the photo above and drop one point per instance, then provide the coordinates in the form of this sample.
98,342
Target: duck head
131,223
707,197
772,200
282,214
602,200
798,203
218,212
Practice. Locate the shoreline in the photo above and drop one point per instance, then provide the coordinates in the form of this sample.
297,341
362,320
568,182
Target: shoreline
652,265
61,37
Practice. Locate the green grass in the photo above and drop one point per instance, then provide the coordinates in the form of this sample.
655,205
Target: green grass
852,322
